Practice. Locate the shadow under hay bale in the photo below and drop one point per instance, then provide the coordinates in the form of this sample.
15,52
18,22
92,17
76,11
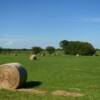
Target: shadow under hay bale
31,84
12,75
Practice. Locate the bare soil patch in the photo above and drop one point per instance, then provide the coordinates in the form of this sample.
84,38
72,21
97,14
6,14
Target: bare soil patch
53,93
66,93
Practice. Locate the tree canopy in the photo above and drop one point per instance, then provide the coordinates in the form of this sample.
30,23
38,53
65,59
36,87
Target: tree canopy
36,50
77,47
50,49
0,49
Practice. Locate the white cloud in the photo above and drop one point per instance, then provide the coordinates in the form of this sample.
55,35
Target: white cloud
78,19
94,19
6,43
9,43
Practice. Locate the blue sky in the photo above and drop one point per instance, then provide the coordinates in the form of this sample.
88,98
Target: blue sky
27,23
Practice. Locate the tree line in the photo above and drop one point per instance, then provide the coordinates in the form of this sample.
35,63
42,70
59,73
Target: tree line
67,47
77,47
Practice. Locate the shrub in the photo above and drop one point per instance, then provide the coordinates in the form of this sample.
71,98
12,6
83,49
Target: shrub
0,50
77,47
50,49
36,50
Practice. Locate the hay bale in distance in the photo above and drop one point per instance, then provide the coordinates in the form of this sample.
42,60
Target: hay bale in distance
14,54
33,57
77,55
12,75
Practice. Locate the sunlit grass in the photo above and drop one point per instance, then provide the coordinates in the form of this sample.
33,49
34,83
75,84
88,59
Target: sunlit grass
70,73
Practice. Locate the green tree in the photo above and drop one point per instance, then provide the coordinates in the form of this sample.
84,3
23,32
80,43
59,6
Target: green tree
77,47
87,49
50,49
36,50
0,49
63,44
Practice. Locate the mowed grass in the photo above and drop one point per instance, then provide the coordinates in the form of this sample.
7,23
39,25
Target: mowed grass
50,73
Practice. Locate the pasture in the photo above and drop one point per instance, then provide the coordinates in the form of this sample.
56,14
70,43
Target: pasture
56,73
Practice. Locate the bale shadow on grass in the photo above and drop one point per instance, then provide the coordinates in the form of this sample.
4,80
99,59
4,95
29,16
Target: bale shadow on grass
31,84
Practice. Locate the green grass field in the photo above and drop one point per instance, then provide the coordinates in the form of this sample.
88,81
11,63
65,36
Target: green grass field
50,73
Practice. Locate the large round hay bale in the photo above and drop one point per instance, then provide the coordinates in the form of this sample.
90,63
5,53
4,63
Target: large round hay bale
12,75
33,57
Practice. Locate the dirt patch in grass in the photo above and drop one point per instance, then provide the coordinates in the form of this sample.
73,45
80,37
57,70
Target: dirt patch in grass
53,93
66,93
34,91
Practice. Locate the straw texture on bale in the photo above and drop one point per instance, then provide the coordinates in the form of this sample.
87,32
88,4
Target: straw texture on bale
12,75
33,57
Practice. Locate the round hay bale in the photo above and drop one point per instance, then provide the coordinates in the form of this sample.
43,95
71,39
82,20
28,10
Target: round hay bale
77,55
14,54
33,57
12,75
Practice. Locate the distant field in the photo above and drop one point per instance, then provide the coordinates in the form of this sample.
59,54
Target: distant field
51,73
